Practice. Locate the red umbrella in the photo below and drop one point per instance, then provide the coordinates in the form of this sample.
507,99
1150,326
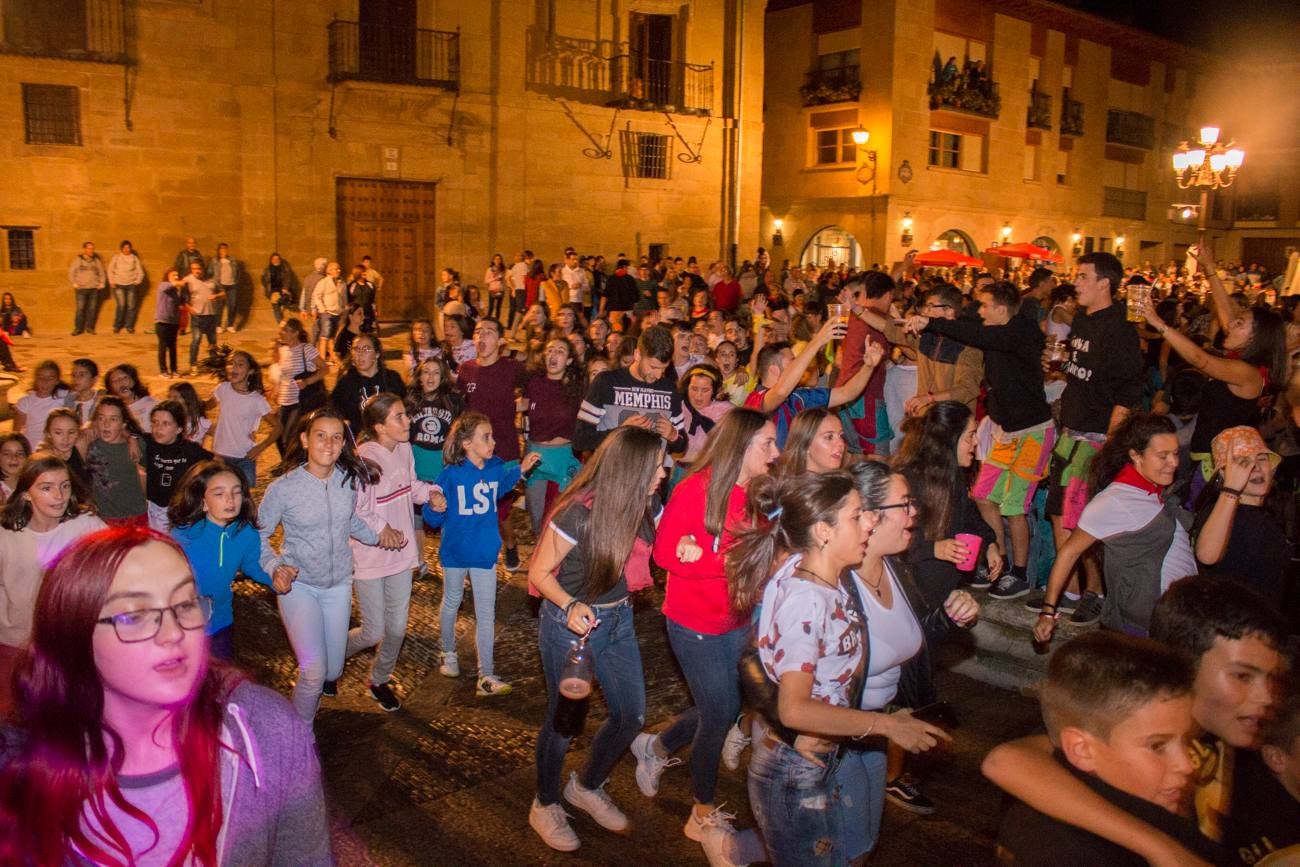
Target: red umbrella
1025,251
945,259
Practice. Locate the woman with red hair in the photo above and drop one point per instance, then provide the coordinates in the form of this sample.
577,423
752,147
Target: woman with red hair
130,748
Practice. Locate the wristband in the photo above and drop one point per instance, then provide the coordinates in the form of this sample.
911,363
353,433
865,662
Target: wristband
869,730
1232,492
1053,614
573,600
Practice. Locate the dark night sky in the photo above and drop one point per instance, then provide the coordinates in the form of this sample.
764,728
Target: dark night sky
1267,26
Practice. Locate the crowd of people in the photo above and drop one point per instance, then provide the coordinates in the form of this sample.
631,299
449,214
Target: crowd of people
834,469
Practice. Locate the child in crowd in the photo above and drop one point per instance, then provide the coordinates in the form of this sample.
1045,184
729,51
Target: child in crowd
383,575
432,403
243,408
421,345
1119,713
123,382
167,457
14,452
111,450
315,501
197,423
48,391
215,524
84,394
470,485
62,428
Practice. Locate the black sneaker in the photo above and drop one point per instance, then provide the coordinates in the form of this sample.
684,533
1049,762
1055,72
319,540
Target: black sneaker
1088,610
980,579
383,694
904,793
330,689
512,560
1010,586
1034,602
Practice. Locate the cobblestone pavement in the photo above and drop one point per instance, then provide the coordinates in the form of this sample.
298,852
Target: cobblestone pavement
448,779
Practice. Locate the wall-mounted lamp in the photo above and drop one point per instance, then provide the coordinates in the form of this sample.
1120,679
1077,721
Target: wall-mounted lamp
1119,246
907,229
1076,241
777,238
867,171
1006,232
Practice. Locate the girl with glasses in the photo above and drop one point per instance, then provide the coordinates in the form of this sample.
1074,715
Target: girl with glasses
131,748
366,377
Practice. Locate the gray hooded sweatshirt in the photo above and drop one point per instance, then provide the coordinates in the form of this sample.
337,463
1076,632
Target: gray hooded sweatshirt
318,517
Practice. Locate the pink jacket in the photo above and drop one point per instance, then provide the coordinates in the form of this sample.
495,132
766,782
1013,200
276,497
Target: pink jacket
390,501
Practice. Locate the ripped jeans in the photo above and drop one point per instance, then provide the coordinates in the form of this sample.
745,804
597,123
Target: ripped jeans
794,803
617,657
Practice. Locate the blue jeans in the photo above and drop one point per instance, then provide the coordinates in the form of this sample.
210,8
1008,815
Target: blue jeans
617,657
316,620
860,778
484,584
709,663
87,310
231,304
793,801
246,466
202,325
124,301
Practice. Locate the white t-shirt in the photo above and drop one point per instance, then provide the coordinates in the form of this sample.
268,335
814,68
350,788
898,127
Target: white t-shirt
1122,508
894,637
141,410
578,281
24,555
518,272
240,416
38,409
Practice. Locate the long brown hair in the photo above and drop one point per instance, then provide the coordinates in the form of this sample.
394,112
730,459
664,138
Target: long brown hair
611,485
928,458
17,511
803,430
724,455
782,513
72,758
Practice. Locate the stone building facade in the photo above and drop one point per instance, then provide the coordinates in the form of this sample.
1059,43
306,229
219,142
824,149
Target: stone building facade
989,121
426,133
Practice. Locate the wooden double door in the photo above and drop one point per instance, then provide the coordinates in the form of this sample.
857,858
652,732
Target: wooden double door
392,222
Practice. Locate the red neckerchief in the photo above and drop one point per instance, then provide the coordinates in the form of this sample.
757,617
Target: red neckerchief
1130,476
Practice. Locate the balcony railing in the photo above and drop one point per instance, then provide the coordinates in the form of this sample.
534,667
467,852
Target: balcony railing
1071,115
1039,115
823,86
970,89
661,85
93,30
1131,129
392,55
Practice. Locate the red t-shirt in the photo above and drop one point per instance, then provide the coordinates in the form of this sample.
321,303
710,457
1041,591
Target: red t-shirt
554,412
726,295
491,391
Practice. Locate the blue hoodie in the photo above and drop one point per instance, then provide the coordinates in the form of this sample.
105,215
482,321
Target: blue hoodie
470,536
216,554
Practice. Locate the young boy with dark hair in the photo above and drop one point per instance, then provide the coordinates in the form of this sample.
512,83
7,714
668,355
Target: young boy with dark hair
1118,711
1235,640
1264,827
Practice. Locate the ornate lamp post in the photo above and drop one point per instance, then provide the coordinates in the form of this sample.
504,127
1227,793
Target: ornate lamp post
1206,165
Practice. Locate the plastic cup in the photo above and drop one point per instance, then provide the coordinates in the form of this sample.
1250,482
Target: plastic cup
973,544
835,313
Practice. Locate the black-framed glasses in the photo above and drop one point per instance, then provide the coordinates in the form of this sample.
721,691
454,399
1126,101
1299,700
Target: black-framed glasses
908,503
145,623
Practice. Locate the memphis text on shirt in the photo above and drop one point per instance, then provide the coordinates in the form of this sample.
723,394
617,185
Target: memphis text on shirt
643,399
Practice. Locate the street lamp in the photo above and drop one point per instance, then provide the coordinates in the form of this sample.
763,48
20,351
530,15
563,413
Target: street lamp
867,174
1076,242
906,240
1119,246
778,239
1206,164
1006,233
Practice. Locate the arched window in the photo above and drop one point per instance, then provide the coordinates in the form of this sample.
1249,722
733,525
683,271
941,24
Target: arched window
832,244
955,239
1047,243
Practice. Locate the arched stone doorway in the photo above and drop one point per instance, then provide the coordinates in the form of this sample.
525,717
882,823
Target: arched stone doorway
832,244
956,239
1046,243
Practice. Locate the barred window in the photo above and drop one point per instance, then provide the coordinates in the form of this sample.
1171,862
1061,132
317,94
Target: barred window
52,113
645,154
22,249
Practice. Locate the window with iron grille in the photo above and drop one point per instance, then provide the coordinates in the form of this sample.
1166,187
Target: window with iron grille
1117,202
52,113
645,154
22,249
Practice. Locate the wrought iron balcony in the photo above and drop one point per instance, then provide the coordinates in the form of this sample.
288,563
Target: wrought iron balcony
91,30
1039,115
1071,115
1131,129
661,85
392,55
970,89
839,84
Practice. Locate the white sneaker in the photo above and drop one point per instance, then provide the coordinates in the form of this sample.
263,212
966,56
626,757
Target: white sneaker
221,329
695,828
492,685
552,825
717,846
450,665
733,746
649,767
595,803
